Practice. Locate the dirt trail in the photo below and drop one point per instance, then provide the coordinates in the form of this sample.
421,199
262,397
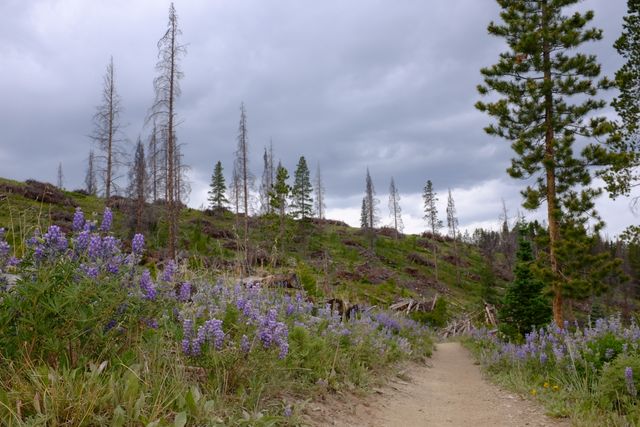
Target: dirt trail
451,392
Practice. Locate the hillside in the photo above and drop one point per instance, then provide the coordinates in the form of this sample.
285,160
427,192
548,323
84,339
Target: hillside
329,258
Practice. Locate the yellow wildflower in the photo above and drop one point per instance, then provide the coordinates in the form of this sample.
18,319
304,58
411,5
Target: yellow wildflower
534,392
546,385
556,388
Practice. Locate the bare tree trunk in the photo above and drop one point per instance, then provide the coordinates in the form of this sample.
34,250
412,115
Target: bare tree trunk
109,178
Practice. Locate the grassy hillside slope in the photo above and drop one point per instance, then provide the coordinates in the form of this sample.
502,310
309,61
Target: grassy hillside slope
330,258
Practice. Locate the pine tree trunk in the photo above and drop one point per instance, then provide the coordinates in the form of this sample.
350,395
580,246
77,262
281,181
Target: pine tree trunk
549,165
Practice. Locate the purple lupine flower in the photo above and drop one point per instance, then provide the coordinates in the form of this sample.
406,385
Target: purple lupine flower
147,286
187,332
628,378
78,220
110,325
90,270
4,246
245,345
107,220
288,411
113,267
290,309
110,246
13,261
137,244
81,241
558,352
609,353
54,239
184,294
213,328
151,323
284,349
169,271
543,357
95,246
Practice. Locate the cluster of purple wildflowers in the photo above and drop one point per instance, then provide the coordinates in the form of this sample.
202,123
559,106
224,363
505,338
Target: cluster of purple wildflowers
6,259
628,379
209,332
572,348
267,317
271,332
49,246
147,286
97,251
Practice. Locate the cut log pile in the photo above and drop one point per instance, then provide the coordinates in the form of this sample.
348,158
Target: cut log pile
409,305
463,325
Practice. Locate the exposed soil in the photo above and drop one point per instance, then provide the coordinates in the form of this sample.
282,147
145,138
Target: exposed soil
449,392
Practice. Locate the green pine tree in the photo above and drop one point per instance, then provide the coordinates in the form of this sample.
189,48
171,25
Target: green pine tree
217,188
547,98
524,306
279,194
624,173
434,224
302,203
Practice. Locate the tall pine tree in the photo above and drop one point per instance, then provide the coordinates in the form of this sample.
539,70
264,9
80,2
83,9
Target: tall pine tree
278,197
547,92
302,202
217,188
434,224
624,173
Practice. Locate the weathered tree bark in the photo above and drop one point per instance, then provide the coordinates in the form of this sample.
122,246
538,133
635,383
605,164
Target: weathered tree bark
549,164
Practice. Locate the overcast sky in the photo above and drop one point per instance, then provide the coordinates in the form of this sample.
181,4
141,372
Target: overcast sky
384,84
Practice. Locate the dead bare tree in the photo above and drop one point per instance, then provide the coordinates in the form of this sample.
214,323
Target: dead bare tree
107,131
394,209
245,176
163,112
319,190
154,162
60,176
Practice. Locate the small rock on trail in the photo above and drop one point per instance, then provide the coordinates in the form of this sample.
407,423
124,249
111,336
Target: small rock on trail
451,392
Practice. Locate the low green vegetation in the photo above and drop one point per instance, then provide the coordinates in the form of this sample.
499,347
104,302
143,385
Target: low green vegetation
91,335
589,374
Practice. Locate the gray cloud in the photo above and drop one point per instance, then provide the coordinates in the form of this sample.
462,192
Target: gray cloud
365,83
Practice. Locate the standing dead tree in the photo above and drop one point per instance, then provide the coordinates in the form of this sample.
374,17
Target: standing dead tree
394,208
155,162
452,224
60,176
107,133
245,177
167,89
319,190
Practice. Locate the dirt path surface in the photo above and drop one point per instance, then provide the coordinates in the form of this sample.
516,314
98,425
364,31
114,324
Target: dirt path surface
451,392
